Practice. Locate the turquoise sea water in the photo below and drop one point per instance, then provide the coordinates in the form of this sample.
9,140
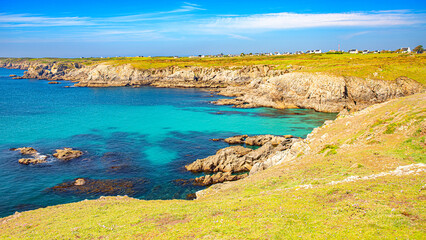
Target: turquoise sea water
125,133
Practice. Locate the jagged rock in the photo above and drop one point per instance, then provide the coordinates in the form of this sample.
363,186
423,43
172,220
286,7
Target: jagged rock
238,158
260,140
54,82
218,178
13,75
26,150
297,148
67,154
225,160
252,86
36,160
236,139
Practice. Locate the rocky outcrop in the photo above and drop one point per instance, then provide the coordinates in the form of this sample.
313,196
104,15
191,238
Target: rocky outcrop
258,140
219,177
237,158
67,154
26,150
317,91
36,157
252,86
36,160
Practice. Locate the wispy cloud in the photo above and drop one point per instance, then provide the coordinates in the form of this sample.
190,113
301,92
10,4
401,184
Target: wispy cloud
285,20
27,20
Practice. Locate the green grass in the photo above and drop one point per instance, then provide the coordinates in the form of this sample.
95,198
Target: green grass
385,66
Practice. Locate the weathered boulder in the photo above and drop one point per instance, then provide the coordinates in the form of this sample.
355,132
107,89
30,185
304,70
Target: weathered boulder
79,182
37,160
260,140
236,139
238,158
218,178
67,154
26,150
225,160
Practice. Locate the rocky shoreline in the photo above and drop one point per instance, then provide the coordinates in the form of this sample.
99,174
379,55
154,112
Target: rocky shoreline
251,86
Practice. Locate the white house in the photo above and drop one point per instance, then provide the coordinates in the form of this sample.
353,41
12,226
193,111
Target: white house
406,50
353,51
317,51
365,52
310,51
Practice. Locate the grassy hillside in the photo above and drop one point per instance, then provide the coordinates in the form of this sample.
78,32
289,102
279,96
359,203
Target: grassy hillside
386,66
297,199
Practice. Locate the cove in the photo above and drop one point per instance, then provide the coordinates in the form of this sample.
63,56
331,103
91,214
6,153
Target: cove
125,133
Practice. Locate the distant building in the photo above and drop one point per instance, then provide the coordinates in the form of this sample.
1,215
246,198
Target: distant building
353,51
405,50
376,51
365,52
310,51
317,51
298,52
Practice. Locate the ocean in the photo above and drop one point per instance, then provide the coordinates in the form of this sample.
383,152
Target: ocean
142,135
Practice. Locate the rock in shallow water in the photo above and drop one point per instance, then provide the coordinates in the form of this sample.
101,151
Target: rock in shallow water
67,154
26,150
37,160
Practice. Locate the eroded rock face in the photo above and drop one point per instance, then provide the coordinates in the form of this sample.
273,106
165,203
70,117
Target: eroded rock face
67,154
237,158
252,86
218,178
258,140
225,160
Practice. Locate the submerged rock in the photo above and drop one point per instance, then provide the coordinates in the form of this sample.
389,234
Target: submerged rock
86,186
53,82
67,154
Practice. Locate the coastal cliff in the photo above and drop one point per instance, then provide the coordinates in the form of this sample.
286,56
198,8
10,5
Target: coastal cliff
251,86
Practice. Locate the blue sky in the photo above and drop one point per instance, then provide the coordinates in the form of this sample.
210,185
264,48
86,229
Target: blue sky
164,28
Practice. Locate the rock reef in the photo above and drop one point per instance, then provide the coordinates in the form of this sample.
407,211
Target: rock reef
67,154
86,186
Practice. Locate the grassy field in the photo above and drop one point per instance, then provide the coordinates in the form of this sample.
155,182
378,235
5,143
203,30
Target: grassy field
294,200
386,66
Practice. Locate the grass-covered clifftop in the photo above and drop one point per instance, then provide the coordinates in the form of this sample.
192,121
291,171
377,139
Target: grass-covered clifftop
385,66
348,183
